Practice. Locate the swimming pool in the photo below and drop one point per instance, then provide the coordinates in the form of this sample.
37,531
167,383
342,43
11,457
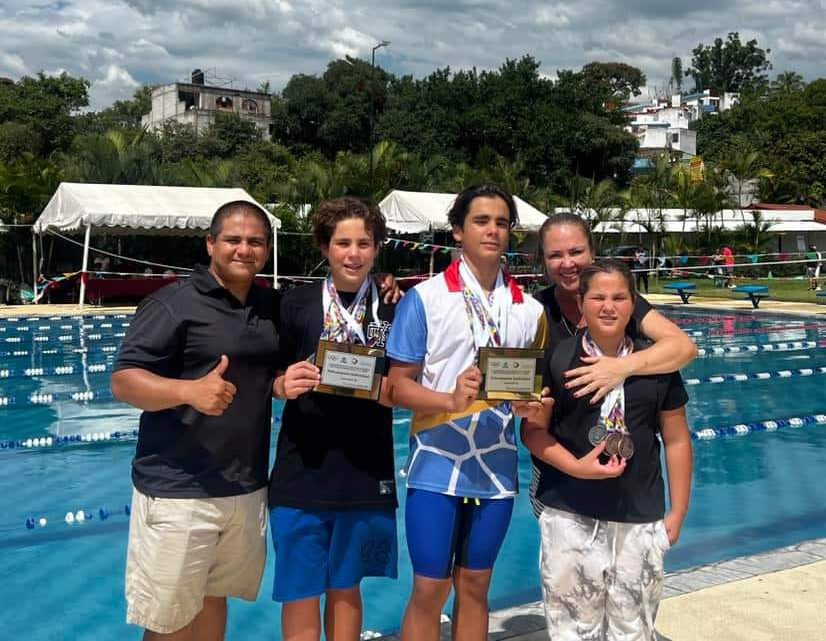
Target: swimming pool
752,493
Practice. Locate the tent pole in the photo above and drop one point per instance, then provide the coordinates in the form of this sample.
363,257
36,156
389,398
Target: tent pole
34,266
274,258
83,272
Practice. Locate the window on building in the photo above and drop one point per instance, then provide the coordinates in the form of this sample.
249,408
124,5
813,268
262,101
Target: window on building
189,98
675,138
248,105
223,103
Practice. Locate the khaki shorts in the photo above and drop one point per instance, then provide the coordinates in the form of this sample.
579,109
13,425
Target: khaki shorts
181,550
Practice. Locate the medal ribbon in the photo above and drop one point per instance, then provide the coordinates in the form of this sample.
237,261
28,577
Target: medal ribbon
612,411
483,311
342,324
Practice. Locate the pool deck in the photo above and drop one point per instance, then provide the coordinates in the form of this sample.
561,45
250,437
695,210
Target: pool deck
765,597
768,306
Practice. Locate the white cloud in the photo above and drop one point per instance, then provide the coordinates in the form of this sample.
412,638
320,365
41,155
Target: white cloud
159,41
12,65
115,83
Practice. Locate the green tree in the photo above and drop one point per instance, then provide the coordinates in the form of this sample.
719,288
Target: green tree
613,81
677,73
788,82
25,187
306,101
803,156
744,170
730,65
117,157
124,114
432,115
47,104
228,136
16,139
176,141
332,113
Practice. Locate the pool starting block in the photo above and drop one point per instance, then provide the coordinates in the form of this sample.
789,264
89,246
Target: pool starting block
685,290
754,293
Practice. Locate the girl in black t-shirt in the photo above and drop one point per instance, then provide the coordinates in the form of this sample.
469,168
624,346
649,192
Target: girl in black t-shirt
603,541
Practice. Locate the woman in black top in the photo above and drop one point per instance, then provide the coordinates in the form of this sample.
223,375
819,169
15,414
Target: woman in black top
603,541
567,248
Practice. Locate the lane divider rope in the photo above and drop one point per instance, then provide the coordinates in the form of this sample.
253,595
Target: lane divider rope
88,438
790,346
755,376
62,370
76,517
92,349
770,425
47,399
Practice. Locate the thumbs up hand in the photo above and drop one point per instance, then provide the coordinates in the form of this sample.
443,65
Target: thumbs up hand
211,394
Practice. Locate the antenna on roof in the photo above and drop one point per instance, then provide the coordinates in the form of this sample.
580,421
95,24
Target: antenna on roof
215,79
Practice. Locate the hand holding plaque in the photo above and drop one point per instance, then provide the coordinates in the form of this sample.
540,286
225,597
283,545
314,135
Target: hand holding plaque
510,374
348,369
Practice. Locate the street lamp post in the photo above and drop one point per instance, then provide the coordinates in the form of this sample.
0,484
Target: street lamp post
383,43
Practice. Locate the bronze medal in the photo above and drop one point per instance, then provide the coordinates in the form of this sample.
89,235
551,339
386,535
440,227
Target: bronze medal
612,443
625,447
597,434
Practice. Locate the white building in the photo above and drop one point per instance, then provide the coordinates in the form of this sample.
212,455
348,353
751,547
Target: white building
663,127
197,104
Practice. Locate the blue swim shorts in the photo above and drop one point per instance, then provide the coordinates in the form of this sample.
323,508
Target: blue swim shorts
445,530
320,550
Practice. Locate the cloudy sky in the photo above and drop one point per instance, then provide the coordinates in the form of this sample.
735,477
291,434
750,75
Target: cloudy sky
121,44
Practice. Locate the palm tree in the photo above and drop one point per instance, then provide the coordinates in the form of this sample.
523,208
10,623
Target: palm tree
599,203
742,170
652,192
788,82
576,190
115,157
684,193
25,187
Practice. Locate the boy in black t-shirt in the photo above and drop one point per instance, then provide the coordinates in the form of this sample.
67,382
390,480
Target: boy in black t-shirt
332,490
604,539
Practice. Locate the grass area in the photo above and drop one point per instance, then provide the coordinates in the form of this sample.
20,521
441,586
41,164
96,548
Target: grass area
790,290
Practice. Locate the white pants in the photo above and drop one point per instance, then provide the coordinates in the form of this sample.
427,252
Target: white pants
601,580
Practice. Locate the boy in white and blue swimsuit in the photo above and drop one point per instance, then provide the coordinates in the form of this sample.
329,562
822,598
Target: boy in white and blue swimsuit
462,470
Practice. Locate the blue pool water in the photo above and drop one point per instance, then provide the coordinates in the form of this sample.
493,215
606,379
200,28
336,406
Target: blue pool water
751,493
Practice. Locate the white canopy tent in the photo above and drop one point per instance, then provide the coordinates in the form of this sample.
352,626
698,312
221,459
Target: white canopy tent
413,212
681,221
136,209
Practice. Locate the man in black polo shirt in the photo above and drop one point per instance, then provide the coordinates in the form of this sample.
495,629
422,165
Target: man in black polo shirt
200,358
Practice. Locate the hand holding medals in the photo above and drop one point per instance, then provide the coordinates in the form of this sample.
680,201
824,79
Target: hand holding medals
611,428
617,440
348,364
